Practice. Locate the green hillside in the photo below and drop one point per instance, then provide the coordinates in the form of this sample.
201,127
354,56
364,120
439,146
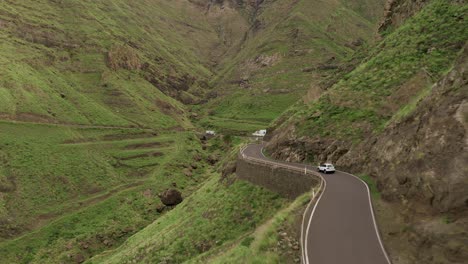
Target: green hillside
100,62
92,119
215,216
65,187
101,103
292,48
398,119
397,73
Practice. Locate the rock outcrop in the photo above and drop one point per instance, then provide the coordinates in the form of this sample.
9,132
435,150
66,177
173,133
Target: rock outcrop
419,160
397,11
171,197
424,156
420,167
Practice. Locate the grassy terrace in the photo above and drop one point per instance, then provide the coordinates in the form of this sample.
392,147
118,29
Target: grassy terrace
83,190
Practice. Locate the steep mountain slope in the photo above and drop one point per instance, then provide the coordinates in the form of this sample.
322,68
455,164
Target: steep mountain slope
214,217
420,164
92,115
105,63
97,100
70,193
400,117
291,47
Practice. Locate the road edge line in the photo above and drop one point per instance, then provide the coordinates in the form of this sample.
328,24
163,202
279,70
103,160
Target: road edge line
376,228
303,237
324,182
302,229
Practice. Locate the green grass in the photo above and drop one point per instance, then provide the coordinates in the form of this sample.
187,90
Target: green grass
72,186
260,246
406,110
319,37
259,107
231,126
65,177
366,98
56,67
446,219
215,215
372,185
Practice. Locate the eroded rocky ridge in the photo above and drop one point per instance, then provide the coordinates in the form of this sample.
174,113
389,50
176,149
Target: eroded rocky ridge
419,162
397,11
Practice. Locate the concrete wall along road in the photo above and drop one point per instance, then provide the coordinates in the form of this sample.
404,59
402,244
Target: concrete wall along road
288,182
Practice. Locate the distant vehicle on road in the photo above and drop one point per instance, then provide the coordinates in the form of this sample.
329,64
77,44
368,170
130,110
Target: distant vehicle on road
260,133
210,132
326,168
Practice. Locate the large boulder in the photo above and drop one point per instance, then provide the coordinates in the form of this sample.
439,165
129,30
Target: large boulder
171,197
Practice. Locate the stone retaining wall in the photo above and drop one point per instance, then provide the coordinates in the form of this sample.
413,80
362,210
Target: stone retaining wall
288,183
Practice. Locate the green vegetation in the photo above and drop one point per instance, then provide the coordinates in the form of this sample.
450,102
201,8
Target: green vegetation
231,126
79,191
372,185
446,219
90,125
411,106
103,63
294,48
94,104
216,214
261,246
409,58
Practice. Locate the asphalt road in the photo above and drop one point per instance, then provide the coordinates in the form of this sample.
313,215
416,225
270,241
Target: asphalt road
340,227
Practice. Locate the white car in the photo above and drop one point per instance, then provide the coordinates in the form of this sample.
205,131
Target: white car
326,168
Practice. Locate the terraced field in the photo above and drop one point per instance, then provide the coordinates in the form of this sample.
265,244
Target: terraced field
85,185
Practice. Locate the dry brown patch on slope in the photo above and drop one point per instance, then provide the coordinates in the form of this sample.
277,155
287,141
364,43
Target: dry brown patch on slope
28,117
147,145
144,155
405,92
123,57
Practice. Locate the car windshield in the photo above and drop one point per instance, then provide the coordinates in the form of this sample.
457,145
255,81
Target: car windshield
329,166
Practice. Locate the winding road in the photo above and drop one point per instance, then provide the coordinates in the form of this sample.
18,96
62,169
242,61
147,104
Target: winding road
340,227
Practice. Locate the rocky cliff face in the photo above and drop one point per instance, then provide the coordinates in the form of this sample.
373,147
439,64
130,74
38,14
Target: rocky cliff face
397,11
424,156
420,165
419,160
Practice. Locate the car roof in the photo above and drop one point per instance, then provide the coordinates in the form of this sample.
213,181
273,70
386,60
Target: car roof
328,164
